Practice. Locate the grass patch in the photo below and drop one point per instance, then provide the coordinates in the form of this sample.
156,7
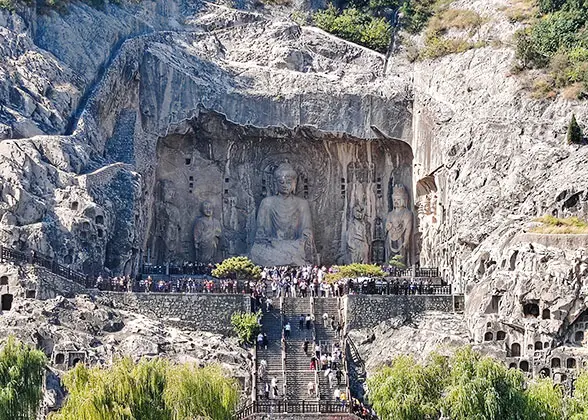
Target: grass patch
556,225
454,19
521,11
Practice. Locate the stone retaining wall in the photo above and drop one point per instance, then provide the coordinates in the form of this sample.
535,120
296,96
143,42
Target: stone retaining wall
366,311
50,285
203,312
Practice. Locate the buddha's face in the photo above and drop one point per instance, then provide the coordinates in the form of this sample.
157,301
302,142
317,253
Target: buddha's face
207,208
358,212
399,202
286,182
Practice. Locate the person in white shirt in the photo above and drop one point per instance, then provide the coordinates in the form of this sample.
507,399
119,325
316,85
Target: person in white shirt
325,319
337,394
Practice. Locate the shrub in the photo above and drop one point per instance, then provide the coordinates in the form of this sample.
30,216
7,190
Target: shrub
397,261
353,271
237,268
555,225
21,379
574,136
246,325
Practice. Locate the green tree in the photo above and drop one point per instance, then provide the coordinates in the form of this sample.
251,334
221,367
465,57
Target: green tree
406,390
246,325
545,400
22,371
153,389
577,405
482,388
353,271
574,134
238,268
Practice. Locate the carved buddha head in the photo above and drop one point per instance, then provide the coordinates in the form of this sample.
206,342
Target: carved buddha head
206,208
285,178
399,197
358,211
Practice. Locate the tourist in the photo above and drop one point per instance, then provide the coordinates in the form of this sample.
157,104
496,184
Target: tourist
287,329
308,320
337,395
339,376
317,350
311,389
259,340
267,391
265,341
305,346
262,368
301,321
325,319
331,378
333,324
313,363
268,304
274,385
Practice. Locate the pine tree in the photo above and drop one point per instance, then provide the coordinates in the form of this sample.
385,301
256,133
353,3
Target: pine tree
575,135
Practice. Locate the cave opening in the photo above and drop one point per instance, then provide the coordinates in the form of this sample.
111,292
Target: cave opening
231,167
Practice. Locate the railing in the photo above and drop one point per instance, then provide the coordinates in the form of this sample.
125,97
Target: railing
316,374
180,285
392,287
9,254
294,407
283,345
412,272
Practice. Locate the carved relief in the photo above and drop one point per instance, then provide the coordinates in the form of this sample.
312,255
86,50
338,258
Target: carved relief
399,227
207,234
358,249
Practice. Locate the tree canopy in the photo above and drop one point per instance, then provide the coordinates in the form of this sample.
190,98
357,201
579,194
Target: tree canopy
237,268
153,389
353,271
22,371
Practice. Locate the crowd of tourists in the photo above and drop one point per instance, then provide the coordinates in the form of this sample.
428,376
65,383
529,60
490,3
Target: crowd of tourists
275,282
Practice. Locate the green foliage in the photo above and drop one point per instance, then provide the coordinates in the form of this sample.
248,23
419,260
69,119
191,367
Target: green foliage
469,386
149,390
397,261
237,267
556,225
246,325
558,41
353,271
7,5
21,381
574,134
406,390
355,26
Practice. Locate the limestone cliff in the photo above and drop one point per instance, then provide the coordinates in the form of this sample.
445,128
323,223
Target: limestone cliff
87,97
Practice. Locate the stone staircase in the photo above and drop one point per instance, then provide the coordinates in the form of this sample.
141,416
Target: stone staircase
272,326
298,373
326,334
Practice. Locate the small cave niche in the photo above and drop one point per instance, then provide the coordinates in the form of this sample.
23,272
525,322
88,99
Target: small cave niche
100,233
512,366
545,373
31,294
579,336
6,301
555,363
59,358
500,335
571,363
4,281
494,305
68,259
86,226
546,345
546,314
74,205
531,310
538,345
524,366
560,377
515,350
513,260
488,336
188,161
99,219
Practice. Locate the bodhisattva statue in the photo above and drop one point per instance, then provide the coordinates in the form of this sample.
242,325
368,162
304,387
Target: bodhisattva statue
207,233
284,233
399,227
358,249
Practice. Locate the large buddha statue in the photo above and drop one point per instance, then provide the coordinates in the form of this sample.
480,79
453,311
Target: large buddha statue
207,233
284,233
399,227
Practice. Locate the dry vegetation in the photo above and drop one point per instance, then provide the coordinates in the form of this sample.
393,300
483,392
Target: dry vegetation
521,10
555,225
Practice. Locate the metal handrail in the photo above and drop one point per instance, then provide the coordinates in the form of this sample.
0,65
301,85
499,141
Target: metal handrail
283,345
316,378
295,407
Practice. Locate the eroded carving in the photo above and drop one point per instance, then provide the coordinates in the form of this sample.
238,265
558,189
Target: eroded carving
207,234
399,227
358,249
284,234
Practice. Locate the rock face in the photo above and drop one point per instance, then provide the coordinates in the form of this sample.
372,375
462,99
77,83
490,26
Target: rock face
106,128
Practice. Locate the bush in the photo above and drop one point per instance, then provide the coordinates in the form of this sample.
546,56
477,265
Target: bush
237,268
355,26
555,225
397,261
149,390
21,380
353,271
246,325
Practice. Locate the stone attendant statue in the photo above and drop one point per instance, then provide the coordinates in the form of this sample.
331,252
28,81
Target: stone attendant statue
284,233
399,227
358,249
207,233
